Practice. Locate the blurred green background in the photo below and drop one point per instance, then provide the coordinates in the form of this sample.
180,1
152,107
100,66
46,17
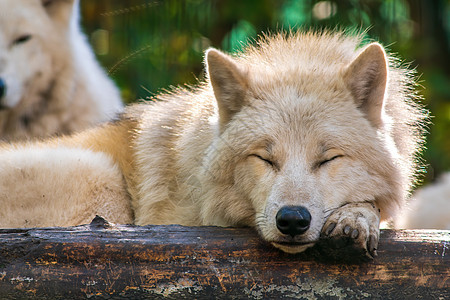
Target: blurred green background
150,45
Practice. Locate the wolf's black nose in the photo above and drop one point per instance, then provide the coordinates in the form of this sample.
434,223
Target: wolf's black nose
293,220
2,88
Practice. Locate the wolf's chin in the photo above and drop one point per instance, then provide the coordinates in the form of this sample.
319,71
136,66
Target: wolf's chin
292,248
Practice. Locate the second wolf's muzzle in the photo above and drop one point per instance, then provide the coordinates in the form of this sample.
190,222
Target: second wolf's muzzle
2,88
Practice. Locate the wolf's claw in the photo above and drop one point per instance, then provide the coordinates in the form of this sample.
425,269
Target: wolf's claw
330,228
372,244
357,223
354,234
347,230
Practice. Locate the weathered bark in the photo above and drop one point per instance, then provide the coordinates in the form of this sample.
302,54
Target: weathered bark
103,261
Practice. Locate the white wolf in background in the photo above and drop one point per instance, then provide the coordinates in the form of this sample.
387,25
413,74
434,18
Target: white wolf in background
50,81
429,207
302,136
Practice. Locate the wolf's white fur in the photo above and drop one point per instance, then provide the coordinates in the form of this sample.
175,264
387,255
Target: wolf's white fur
53,81
89,179
429,207
310,119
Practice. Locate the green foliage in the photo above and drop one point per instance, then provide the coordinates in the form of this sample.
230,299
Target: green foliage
151,45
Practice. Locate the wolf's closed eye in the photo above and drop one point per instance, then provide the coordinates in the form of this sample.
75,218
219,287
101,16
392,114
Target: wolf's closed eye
329,159
267,161
22,39
263,159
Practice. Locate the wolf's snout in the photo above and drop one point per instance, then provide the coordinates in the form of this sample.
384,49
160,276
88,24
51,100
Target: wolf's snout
2,88
293,220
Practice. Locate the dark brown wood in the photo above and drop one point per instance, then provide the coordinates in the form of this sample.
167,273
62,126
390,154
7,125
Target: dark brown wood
100,261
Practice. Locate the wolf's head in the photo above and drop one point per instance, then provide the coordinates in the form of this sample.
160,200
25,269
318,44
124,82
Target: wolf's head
33,36
303,130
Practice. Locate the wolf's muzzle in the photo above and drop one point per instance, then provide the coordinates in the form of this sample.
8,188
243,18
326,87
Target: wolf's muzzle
2,88
293,220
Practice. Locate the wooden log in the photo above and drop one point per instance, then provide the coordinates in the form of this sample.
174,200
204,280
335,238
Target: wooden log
103,261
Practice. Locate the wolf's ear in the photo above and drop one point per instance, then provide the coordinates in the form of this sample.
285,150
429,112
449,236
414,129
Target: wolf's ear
60,11
366,77
229,84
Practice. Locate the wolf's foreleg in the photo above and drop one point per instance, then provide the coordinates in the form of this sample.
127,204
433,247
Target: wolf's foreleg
358,222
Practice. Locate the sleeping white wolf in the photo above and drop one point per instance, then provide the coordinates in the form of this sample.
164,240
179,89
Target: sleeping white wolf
300,136
50,81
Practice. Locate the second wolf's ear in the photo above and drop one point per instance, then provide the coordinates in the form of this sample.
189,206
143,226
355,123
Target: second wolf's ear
60,11
229,84
366,77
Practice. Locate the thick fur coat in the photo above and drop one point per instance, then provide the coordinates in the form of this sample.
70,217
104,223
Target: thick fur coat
302,136
429,207
50,81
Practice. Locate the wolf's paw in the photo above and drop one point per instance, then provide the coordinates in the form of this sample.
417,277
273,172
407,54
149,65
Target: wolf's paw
356,225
